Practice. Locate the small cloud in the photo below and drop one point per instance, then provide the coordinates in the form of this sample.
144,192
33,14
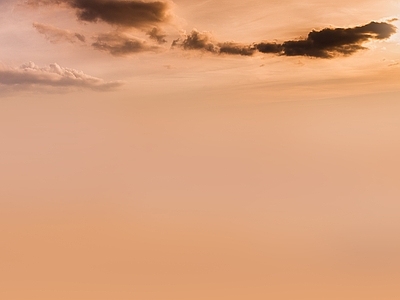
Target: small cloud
392,20
393,63
204,41
80,37
197,41
119,44
29,74
158,35
57,35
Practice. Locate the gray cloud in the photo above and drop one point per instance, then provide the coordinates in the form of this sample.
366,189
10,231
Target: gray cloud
326,43
158,35
119,44
56,35
197,41
30,74
236,49
204,41
127,13
330,42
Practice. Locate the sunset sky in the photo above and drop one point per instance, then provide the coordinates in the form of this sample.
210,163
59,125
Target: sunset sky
192,150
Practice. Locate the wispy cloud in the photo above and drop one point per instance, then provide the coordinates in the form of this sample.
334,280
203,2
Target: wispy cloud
120,44
157,34
30,74
57,35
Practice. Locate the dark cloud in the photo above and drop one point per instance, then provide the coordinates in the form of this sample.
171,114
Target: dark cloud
236,49
330,42
158,35
326,43
54,75
269,47
56,35
203,41
119,44
197,41
128,13
124,13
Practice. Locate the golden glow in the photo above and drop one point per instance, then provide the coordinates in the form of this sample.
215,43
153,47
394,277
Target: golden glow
199,176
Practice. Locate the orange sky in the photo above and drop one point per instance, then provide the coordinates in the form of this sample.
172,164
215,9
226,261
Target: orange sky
187,174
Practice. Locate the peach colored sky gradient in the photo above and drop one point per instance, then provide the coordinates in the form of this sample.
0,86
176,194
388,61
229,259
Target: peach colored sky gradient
173,174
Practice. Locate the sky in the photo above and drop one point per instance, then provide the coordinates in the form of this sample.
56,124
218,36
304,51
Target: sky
198,150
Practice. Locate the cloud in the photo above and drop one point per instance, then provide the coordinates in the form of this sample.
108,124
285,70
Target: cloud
119,44
127,13
197,41
56,35
326,43
158,35
204,41
30,74
236,49
330,42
